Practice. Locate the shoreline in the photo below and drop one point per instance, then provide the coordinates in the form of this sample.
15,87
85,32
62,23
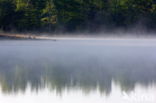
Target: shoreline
80,36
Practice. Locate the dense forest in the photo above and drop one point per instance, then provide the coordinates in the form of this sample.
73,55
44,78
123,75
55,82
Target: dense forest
76,15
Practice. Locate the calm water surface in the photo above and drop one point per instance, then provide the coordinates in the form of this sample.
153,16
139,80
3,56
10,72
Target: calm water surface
80,71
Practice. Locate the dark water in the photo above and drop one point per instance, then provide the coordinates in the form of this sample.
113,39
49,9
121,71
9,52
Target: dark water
88,71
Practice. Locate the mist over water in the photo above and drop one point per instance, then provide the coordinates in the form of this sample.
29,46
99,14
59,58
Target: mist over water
80,67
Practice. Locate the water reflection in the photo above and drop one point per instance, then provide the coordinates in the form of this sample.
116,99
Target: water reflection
61,66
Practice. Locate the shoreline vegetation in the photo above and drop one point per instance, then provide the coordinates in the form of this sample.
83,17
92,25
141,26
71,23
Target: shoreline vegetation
16,36
77,15
76,36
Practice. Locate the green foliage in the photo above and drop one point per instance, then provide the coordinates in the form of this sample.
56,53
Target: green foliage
75,14
49,15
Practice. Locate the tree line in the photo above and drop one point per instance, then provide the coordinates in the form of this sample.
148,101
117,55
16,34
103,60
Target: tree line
75,15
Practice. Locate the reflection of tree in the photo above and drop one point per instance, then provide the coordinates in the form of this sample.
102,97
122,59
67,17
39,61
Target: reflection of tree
88,75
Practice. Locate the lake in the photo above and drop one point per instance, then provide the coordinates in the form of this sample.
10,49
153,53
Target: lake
78,71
